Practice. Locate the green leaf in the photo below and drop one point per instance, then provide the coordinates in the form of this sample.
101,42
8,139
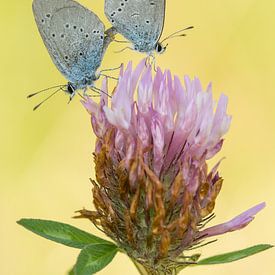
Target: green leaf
71,272
94,257
235,255
61,233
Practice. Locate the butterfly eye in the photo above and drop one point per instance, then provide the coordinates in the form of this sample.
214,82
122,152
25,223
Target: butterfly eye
159,48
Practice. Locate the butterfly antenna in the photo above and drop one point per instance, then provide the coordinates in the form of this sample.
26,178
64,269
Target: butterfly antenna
47,98
176,34
44,90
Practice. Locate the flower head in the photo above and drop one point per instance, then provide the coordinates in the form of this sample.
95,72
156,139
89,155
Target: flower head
154,192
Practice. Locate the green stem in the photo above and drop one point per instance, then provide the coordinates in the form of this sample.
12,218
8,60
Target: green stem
144,271
141,269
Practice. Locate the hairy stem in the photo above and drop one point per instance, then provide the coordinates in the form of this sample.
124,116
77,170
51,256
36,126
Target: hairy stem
145,271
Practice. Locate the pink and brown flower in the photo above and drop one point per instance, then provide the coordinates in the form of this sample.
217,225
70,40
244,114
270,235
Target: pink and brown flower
154,192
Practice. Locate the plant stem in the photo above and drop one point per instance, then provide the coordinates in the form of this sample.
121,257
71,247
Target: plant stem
141,269
144,271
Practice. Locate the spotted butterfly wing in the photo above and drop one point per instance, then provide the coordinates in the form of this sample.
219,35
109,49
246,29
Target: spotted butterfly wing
139,21
74,38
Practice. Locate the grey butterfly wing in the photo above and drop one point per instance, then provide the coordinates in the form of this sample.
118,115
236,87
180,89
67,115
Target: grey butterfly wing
140,21
73,35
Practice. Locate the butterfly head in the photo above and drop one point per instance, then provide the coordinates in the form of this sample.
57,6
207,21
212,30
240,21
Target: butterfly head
159,48
71,90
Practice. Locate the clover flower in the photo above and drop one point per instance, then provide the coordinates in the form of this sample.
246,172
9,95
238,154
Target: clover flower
154,193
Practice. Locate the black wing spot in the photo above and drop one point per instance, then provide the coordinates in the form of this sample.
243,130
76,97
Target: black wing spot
48,15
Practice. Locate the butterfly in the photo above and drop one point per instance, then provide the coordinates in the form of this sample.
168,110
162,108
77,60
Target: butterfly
75,39
141,22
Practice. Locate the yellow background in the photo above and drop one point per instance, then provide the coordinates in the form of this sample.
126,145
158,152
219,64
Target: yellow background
46,155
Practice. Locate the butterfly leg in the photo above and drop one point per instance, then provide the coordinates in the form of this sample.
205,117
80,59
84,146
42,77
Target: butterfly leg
108,76
124,49
85,91
112,69
151,61
154,62
109,70
71,96
147,61
99,91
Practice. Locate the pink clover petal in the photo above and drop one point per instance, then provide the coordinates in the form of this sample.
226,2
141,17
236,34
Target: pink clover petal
143,132
90,106
236,223
155,136
158,144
